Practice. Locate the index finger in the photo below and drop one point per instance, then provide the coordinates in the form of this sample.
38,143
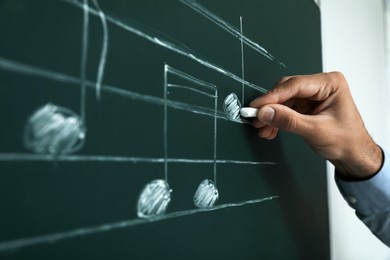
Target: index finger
313,87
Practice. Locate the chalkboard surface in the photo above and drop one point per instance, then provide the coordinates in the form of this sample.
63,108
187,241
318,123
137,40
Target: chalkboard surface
120,137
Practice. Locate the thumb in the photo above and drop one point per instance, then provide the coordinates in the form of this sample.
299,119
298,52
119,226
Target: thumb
285,118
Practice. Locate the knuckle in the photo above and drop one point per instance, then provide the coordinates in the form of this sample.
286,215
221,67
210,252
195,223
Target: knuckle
338,78
284,79
294,84
336,74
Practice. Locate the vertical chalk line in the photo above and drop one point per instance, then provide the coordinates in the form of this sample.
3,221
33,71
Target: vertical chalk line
104,50
197,7
215,137
242,62
83,65
166,122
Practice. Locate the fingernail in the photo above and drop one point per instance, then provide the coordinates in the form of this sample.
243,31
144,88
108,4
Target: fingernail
266,115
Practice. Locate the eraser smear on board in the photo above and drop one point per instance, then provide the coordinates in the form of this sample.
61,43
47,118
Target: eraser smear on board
248,112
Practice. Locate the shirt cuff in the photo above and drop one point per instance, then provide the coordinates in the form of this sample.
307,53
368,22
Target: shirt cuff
370,196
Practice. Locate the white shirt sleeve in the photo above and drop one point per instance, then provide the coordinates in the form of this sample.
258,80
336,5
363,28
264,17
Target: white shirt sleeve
371,200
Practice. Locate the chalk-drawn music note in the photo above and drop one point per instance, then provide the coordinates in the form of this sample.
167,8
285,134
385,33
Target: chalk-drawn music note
232,104
155,197
56,130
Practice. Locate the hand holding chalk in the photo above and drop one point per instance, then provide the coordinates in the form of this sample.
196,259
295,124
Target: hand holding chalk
331,124
248,112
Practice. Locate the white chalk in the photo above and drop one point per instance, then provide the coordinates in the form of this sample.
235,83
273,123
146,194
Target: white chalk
248,112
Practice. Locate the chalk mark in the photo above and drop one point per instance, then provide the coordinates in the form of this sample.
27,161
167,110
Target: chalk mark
104,50
54,130
242,63
190,89
197,7
232,107
81,232
168,70
25,69
159,40
83,65
206,195
26,157
154,199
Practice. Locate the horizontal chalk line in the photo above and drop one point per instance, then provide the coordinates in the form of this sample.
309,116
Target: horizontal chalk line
4,157
55,237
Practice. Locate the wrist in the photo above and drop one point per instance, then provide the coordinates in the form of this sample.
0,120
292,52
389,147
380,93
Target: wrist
362,165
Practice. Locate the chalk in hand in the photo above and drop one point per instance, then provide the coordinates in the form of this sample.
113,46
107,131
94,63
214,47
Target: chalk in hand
248,112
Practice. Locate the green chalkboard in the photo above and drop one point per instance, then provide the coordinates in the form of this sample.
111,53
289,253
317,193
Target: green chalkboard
120,138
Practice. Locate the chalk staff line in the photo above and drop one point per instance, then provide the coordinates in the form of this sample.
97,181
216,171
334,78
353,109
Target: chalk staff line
26,157
165,43
25,69
55,237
